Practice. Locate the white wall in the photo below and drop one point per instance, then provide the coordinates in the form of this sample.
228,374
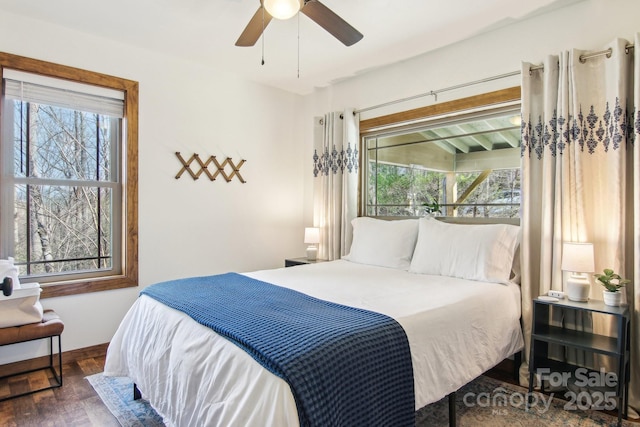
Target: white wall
186,227
585,25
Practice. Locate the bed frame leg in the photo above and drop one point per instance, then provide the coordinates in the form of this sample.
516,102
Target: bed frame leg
517,361
452,409
136,392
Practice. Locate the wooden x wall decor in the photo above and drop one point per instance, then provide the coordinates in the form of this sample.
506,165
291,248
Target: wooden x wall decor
204,167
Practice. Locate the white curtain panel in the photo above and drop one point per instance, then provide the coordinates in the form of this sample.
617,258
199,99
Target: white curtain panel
335,171
581,177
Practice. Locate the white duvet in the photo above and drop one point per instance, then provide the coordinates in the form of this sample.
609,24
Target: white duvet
457,329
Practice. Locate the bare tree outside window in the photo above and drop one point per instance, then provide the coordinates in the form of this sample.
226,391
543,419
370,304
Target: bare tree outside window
62,227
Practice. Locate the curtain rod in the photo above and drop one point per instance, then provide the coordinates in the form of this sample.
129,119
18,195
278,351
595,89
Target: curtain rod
583,58
435,93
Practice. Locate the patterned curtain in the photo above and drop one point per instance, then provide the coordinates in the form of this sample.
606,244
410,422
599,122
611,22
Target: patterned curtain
335,171
581,168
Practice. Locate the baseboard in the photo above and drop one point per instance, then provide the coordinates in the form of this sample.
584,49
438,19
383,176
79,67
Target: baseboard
71,356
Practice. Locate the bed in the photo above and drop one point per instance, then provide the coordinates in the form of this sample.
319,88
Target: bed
452,288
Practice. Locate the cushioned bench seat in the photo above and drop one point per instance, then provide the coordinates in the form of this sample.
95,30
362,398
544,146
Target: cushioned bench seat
50,327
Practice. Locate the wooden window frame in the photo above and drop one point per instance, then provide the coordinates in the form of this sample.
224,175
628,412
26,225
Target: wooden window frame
129,170
457,105
372,125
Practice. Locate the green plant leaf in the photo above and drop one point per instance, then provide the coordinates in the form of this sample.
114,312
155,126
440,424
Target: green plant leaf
607,278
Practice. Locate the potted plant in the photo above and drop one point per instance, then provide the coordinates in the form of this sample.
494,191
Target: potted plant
612,283
431,209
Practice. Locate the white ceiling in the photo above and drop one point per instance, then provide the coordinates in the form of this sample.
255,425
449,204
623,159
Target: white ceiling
206,30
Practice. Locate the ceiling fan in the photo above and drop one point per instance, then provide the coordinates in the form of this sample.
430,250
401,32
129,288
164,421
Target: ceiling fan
285,9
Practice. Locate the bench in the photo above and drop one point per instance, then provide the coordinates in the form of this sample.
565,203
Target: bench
50,327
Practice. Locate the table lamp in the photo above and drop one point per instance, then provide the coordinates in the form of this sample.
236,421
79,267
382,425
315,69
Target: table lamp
312,237
577,258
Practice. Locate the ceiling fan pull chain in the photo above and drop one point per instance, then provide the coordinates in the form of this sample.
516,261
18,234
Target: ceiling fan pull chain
262,62
298,44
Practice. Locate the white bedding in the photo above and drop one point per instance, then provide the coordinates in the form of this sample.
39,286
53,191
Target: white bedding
457,329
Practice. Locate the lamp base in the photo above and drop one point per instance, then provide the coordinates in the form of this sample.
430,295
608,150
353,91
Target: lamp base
312,253
578,288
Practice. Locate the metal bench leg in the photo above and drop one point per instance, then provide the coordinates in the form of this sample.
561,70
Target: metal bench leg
57,375
51,367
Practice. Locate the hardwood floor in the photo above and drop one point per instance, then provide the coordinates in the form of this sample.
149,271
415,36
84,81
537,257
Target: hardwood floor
73,404
76,403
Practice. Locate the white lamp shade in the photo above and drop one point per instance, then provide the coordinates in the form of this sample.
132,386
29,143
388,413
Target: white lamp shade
312,235
282,9
577,257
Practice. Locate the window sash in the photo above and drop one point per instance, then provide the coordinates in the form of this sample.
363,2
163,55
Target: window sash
115,242
65,182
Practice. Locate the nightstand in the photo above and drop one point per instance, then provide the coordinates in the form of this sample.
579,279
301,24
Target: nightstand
605,388
290,262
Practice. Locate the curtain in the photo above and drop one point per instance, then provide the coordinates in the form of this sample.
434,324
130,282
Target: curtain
580,178
335,171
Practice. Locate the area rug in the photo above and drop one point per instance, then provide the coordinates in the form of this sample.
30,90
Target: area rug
488,402
117,395
483,402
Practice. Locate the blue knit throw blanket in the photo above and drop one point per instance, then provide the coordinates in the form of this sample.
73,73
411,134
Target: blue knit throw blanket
345,366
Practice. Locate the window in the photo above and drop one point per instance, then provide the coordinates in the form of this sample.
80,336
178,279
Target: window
454,159
68,165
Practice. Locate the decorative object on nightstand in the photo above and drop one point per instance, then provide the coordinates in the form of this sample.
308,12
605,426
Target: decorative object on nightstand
577,258
612,283
312,237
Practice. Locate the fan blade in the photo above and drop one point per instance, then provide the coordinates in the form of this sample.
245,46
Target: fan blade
327,19
254,28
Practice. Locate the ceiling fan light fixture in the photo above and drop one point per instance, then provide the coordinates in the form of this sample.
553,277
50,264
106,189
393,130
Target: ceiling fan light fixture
282,9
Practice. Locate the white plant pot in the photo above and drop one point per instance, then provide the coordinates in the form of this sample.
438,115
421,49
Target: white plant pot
613,299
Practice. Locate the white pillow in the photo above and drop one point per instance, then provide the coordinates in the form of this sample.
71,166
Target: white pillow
383,243
475,252
516,271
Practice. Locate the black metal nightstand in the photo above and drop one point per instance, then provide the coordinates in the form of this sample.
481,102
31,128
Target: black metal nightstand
616,347
290,262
